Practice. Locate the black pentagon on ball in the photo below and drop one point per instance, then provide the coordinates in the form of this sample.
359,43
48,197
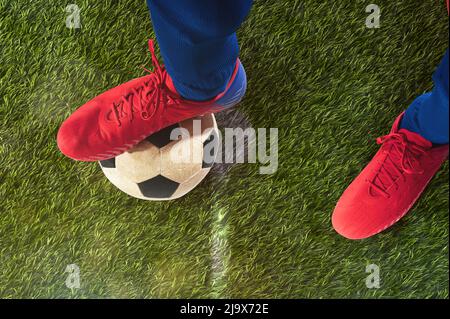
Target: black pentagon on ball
210,149
162,137
109,163
158,187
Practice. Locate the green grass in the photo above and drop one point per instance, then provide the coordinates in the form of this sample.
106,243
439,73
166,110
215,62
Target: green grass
315,71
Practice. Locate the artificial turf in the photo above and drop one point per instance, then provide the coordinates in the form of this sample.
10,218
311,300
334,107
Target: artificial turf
315,71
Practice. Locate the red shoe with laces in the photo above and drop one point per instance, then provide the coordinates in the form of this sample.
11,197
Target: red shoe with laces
389,185
120,118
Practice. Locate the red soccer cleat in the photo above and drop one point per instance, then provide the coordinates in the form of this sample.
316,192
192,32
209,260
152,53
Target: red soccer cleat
118,119
389,185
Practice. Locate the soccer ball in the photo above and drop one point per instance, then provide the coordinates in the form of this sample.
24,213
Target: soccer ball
165,167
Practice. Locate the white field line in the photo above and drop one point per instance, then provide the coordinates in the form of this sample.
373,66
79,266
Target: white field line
220,254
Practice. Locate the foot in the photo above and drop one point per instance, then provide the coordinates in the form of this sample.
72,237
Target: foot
120,118
389,185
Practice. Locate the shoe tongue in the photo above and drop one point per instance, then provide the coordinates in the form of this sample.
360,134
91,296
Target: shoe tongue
170,85
416,138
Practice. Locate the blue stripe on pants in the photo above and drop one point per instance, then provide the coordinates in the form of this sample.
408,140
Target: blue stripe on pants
198,42
428,113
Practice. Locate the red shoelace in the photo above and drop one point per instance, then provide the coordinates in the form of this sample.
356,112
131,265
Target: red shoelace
402,156
146,99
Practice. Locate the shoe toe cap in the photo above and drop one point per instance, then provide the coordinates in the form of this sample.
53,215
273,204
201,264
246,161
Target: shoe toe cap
68,140
358,215
74,136
348,222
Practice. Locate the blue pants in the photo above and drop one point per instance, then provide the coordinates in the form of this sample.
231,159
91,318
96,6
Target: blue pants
198,42
199,47
428,114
